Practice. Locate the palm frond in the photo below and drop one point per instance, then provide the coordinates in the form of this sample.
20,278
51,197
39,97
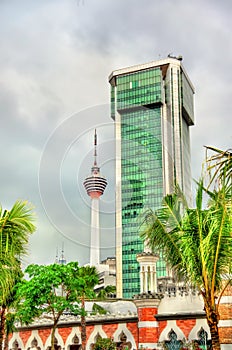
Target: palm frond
221,165
162,229
15,227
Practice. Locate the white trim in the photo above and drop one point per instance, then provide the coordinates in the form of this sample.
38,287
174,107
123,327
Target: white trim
142,66
57,336
75,331
200,323
122,327
97,329
148,324
225,323
227,299
226,346
158,63
17,337
171,324
34,334
148,345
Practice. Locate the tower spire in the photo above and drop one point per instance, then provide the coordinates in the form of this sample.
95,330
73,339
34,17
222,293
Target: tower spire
95,148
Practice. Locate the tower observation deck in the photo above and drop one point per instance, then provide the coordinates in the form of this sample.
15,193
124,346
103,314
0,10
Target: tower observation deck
95,185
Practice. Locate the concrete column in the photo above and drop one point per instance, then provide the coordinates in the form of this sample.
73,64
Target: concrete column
95,233
141,282
145,282
152,280
155,280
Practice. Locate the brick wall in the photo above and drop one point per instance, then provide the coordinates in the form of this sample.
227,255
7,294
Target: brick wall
25,335
44,334
64,333
186,326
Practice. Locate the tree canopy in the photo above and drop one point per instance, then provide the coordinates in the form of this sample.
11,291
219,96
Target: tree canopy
53,290
196,242
16,225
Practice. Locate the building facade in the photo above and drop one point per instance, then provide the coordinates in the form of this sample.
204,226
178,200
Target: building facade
152,106
149,322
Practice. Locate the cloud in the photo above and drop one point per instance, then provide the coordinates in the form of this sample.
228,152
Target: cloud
56,56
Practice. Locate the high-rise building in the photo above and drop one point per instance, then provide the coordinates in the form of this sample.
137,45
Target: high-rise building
95,185
152,106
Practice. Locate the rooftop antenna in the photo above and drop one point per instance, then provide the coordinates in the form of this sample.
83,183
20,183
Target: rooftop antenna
95,147
57,259
62,260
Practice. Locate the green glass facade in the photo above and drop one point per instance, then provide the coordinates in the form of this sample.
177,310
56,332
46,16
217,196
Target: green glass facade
137,104
142,185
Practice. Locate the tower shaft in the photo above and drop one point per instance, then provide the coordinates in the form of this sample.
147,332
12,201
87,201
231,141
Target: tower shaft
95,233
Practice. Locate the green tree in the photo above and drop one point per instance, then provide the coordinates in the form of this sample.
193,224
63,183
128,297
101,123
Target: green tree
16,225
53,290
196,244
104,344
106,292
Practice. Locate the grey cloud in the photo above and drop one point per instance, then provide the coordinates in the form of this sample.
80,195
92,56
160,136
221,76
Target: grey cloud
55,60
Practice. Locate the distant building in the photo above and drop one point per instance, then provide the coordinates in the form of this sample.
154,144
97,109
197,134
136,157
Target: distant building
60,259
152,106
107,274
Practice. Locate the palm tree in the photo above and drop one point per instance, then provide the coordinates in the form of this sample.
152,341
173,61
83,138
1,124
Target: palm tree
15,227
219,164
196,244
89,279
106,292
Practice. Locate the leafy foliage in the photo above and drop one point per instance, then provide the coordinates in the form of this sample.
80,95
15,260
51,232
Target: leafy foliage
219,165
197,243
104,344
15,227
55,289
52,289
98,309
106,292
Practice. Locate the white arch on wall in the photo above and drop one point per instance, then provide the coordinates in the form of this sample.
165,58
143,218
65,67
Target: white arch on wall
200,323
58,337
19,340
35,335
75,331
171,324
123,328
97,329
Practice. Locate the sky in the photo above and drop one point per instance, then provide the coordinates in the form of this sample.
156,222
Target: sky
55,59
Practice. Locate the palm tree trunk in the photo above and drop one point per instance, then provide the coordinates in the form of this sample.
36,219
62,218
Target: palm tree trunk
212,319
6,342
83,324
214,335
2,325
